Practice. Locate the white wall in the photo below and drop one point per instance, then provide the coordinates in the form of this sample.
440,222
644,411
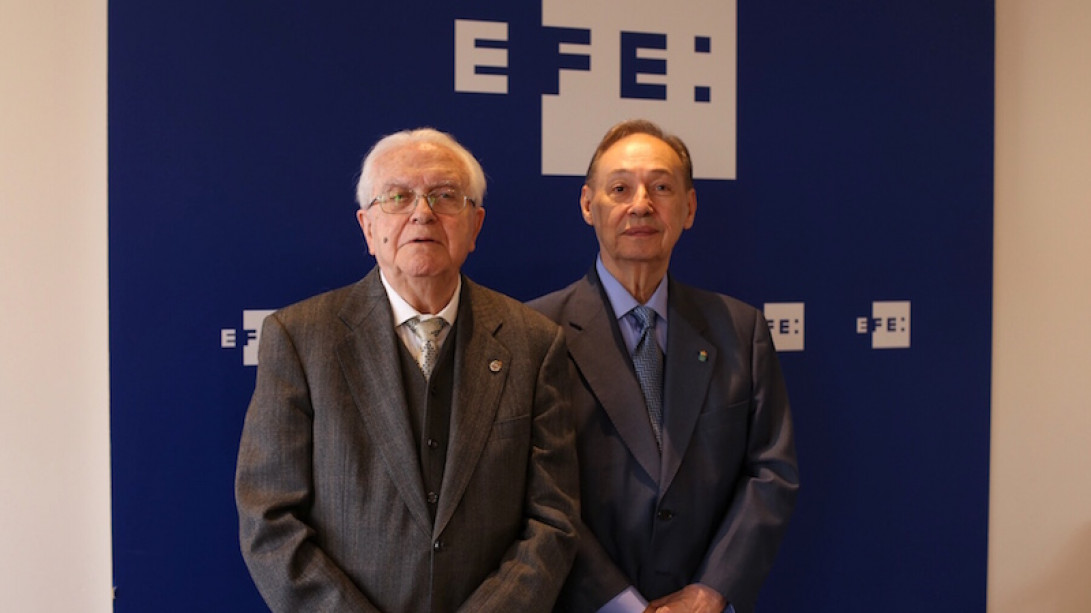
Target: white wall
54,440
1040,508
54,403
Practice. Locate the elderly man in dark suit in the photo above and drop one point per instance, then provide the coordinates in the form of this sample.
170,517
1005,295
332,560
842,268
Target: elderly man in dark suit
408,446
687,461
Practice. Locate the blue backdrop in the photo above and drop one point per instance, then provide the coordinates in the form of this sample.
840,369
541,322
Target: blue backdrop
859,137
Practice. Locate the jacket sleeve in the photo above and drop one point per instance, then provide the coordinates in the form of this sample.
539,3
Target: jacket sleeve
535,565
595,579
273,488
743,549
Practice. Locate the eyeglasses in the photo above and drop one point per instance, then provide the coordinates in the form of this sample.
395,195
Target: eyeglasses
442,202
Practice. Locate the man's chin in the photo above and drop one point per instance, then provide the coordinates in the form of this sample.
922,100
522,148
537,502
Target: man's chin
638,256
425,268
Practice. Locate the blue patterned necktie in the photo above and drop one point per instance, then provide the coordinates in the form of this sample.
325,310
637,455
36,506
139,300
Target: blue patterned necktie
427,331
648,360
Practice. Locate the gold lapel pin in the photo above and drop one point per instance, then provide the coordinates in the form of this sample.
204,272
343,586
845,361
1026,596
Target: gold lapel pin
496,365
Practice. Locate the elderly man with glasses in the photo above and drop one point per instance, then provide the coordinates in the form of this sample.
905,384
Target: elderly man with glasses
407,446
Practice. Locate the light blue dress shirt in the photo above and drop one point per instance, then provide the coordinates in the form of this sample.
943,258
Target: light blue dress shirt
622,302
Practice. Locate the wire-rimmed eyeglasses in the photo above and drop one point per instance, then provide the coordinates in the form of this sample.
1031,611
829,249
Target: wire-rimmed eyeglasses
442,202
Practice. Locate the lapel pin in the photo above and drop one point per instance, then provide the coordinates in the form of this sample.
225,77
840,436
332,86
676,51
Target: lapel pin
496,365
702,356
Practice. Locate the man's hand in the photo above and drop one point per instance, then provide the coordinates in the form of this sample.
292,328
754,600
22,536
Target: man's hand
694,598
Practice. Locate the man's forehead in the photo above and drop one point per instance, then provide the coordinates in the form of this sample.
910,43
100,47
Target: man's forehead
415,162
640,152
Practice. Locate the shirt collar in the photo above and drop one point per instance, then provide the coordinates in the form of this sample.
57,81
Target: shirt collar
622,301
403,311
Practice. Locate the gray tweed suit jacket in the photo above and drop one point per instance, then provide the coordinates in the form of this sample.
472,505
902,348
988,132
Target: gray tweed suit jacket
332,510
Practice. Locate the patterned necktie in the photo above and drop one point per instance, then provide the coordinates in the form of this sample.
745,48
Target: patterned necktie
427,331
648,360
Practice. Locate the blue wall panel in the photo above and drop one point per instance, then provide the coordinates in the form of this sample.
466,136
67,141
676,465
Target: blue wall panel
863,173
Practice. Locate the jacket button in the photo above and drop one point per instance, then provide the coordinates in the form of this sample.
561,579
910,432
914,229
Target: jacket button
433,498
437,545
665,515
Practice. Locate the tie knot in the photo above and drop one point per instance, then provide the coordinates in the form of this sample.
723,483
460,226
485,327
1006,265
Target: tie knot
645,316
427,330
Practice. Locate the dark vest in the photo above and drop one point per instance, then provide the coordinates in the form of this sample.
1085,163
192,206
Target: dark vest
430,414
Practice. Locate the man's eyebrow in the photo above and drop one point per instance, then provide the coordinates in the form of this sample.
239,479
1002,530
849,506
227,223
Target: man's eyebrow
445,183
618,172
389,185
400,184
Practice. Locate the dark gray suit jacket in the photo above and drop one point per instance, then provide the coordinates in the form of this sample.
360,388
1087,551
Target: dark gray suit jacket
332,509
714,506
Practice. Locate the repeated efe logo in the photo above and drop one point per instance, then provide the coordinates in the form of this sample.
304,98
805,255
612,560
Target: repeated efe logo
251,332
888,325
621,59
785,321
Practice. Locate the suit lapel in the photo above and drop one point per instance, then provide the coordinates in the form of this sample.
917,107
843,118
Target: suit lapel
691,360
481,368
594,346
376,387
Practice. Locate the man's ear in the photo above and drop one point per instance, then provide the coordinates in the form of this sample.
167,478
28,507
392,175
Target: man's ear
479,221
691,204
365,226
585,204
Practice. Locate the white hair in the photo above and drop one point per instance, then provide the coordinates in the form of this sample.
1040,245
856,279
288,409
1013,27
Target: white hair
474,172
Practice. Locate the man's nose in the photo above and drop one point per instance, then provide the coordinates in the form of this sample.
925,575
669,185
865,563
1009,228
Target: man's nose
642,202
420,212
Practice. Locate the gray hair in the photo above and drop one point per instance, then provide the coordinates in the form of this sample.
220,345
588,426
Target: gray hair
409,137
630,127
